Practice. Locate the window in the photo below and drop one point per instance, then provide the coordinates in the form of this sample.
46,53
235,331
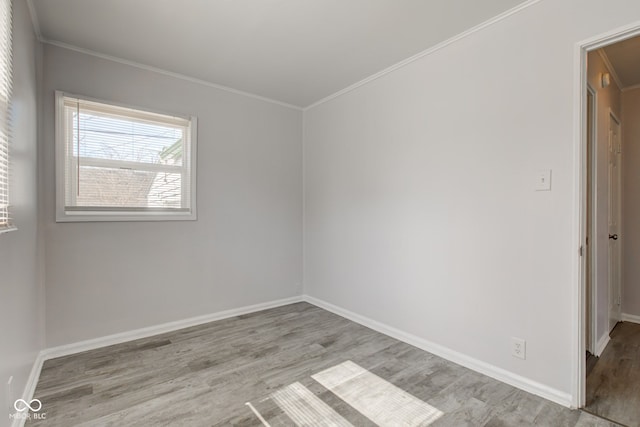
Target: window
122,164
5,98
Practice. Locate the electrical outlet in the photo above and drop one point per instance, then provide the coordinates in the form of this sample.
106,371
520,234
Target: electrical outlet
518,348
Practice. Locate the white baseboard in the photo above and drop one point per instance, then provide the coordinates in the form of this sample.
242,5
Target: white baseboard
444,352
602,344
492,371
92,344
30,386
630,318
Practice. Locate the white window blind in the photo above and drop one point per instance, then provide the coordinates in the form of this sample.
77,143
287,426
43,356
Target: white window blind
124,163
5,96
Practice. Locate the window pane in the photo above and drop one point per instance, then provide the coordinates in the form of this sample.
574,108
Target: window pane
119,138
165,191
114,187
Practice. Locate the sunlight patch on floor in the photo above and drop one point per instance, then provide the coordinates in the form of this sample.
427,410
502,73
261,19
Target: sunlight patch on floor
306,409
375,398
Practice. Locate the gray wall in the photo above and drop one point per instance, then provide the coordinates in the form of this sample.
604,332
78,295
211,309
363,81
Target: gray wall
245,248
21,293
420,209
631,202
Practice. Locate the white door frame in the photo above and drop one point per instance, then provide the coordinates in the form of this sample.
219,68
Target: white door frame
578,374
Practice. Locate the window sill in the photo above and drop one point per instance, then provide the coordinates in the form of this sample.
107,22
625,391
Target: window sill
124,217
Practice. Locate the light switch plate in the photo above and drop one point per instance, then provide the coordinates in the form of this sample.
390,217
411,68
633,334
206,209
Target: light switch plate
543,180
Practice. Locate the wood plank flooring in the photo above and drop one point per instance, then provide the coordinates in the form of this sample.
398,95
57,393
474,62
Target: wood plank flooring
613,386
591,363
205,375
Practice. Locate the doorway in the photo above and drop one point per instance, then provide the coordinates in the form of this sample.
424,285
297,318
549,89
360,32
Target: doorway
605,387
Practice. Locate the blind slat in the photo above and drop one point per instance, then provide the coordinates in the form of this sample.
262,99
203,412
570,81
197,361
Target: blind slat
5,96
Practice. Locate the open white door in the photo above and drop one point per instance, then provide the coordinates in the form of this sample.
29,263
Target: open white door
615,153
590,315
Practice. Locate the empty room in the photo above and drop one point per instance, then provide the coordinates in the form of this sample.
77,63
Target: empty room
319,213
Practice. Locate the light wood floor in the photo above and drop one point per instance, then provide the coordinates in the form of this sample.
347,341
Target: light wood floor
205,375
613,386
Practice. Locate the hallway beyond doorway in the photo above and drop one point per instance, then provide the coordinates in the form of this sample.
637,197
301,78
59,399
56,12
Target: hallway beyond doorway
613,386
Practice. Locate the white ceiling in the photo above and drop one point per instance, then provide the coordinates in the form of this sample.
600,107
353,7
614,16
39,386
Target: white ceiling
625,59
293,51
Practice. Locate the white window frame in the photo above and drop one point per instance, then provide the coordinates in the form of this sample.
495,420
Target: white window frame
110,214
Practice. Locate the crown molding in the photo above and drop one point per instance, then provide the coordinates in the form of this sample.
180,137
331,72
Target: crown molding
166,72
612,70
34,19
633,87
426,52
429,51
36,28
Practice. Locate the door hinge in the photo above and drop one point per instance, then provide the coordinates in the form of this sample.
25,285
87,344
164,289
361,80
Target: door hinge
580,251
